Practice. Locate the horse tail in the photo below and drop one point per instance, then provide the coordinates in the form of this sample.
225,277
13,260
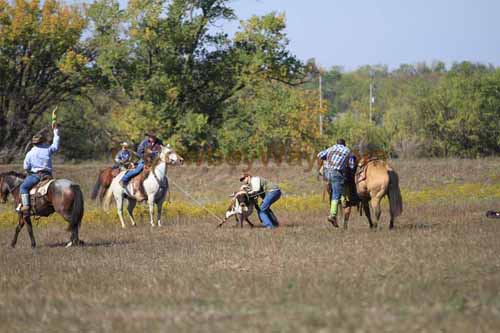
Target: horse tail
395,198
97,186
77,208
106,201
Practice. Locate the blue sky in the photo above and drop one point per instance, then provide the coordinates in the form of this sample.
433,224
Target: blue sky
352,33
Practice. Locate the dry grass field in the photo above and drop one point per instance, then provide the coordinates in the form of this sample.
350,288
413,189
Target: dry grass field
439,270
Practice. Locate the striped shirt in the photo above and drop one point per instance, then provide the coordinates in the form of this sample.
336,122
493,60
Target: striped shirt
337,157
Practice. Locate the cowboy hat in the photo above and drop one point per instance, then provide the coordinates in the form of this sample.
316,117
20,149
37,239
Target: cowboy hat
244,175
124,144
37,138
151,134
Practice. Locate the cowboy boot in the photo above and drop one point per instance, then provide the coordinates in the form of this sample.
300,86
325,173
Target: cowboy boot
333,220
25,208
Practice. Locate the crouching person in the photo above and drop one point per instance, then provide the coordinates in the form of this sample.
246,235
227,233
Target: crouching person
269,192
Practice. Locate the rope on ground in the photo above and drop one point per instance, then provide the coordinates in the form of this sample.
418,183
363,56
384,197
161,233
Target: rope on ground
186,193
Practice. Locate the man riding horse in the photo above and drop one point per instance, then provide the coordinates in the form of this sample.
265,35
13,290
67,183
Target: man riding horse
148,150
123,158
38,165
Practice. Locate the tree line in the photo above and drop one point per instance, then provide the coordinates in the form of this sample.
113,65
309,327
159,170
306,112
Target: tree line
167,66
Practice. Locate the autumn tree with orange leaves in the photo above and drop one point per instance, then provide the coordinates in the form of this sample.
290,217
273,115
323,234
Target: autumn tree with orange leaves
42,62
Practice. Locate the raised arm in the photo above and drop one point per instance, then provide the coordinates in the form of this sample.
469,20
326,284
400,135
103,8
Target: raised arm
54,147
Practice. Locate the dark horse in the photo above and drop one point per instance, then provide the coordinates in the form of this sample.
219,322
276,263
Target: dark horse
63,197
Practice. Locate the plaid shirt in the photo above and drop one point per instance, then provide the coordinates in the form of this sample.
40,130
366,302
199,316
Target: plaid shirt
337,157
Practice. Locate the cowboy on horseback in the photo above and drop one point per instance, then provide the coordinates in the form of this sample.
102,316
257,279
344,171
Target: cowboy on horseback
147,151
124,157
38,164
340,163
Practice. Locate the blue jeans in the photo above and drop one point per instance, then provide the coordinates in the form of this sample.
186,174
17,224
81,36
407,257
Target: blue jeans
337,184
269,199
132,173
28,183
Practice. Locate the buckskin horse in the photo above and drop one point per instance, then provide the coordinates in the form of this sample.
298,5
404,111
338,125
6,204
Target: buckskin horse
155,185
374,180
63,197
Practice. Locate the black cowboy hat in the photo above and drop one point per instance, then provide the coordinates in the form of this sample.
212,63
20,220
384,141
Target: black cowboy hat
151,134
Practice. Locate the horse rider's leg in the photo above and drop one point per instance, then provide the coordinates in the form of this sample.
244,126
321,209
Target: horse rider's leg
159,207
151,204
119,209
130,209
20,225
30,231
366,208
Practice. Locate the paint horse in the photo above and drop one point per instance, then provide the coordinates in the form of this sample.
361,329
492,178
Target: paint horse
56,195
155,185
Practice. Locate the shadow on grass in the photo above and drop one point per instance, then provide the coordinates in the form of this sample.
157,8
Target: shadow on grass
101,243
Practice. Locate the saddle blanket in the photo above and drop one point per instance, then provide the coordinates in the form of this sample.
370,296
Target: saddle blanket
42,189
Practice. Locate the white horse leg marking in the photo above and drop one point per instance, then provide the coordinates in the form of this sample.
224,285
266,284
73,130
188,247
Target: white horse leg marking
119,208
130,208
151,203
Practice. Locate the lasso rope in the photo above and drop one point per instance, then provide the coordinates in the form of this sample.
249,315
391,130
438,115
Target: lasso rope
186,193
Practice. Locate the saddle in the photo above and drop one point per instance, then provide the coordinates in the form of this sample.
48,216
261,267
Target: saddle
39,201
138,181
362,167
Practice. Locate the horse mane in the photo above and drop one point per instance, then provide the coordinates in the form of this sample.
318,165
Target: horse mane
155,162
13,173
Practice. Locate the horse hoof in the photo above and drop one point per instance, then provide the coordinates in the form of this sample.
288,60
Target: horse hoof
70,244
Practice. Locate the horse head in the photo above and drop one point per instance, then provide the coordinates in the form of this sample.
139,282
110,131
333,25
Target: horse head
169,156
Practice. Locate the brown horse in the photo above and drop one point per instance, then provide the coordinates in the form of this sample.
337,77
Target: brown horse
377,181
103,182
63,197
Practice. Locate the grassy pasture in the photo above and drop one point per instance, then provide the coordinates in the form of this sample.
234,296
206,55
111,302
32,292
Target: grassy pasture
438,271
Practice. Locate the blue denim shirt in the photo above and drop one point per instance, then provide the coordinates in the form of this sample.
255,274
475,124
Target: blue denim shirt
39,158
123,156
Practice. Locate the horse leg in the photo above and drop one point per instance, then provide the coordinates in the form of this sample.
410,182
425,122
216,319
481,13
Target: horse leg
391,223
151,203
30,231
130,209
347,214
19,226
366,209
159,207
375,202
119,209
